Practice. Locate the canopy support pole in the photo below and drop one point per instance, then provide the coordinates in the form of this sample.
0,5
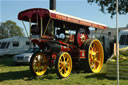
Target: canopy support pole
41,27
25,29
47,25
30,27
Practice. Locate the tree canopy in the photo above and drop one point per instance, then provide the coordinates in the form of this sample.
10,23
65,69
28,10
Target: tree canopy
109,6
10,29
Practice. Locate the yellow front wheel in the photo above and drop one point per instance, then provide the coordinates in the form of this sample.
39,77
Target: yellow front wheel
38,64
63,64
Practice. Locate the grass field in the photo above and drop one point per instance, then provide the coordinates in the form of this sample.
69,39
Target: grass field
10,74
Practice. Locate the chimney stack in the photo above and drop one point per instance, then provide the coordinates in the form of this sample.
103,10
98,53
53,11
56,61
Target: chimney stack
52,4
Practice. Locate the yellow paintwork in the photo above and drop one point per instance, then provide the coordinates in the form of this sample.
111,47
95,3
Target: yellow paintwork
39,64
96,56
65,64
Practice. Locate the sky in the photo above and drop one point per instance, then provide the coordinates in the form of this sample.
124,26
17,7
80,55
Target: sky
9,10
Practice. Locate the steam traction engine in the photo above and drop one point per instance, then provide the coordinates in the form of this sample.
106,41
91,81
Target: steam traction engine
64,42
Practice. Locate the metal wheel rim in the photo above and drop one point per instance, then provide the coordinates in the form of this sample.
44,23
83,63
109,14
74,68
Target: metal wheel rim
96,56
65,64
39,64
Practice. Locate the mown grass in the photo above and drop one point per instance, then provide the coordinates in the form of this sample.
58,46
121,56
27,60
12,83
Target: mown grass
10,74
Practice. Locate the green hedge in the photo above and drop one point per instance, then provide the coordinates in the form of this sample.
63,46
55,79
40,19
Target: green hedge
123,65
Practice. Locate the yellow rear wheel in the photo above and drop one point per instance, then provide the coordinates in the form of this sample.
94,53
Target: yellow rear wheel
63,64
95,55
38,64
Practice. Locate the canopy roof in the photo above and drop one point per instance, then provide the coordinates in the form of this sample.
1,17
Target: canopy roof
31,13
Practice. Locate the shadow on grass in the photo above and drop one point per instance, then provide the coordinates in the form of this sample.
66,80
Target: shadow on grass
15,75
26,75
100,76
49,75
6,61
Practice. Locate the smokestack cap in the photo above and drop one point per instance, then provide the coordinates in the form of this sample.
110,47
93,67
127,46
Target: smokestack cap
52,4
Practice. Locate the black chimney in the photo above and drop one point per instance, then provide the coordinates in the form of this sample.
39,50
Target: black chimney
52,4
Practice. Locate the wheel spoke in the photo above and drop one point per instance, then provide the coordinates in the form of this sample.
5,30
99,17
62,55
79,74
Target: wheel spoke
92,65
92,51
95,67
60,60
97,61
41,67
91,58
36,58
61,64
64,58
68,65
94,46
38,69
34,67
97,51
96,64
61,69
65,70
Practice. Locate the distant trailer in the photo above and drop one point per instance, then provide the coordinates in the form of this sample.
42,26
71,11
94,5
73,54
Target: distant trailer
123,38
14,45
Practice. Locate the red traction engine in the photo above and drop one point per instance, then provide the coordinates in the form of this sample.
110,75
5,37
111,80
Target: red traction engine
64,42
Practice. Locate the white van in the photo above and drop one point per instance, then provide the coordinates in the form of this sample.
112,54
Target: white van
14,45
123,38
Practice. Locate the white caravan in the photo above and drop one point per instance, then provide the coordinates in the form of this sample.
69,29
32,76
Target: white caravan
123,38
14,45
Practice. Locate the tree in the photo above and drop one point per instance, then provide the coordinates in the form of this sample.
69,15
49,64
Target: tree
109,6
10,29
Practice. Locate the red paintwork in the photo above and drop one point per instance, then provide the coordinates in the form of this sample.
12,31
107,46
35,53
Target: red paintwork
82,54
36,41
54,55
39,42
65,48
77,21
79,40
25,15
63,43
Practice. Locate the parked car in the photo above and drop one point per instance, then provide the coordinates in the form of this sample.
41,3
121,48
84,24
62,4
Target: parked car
25,57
